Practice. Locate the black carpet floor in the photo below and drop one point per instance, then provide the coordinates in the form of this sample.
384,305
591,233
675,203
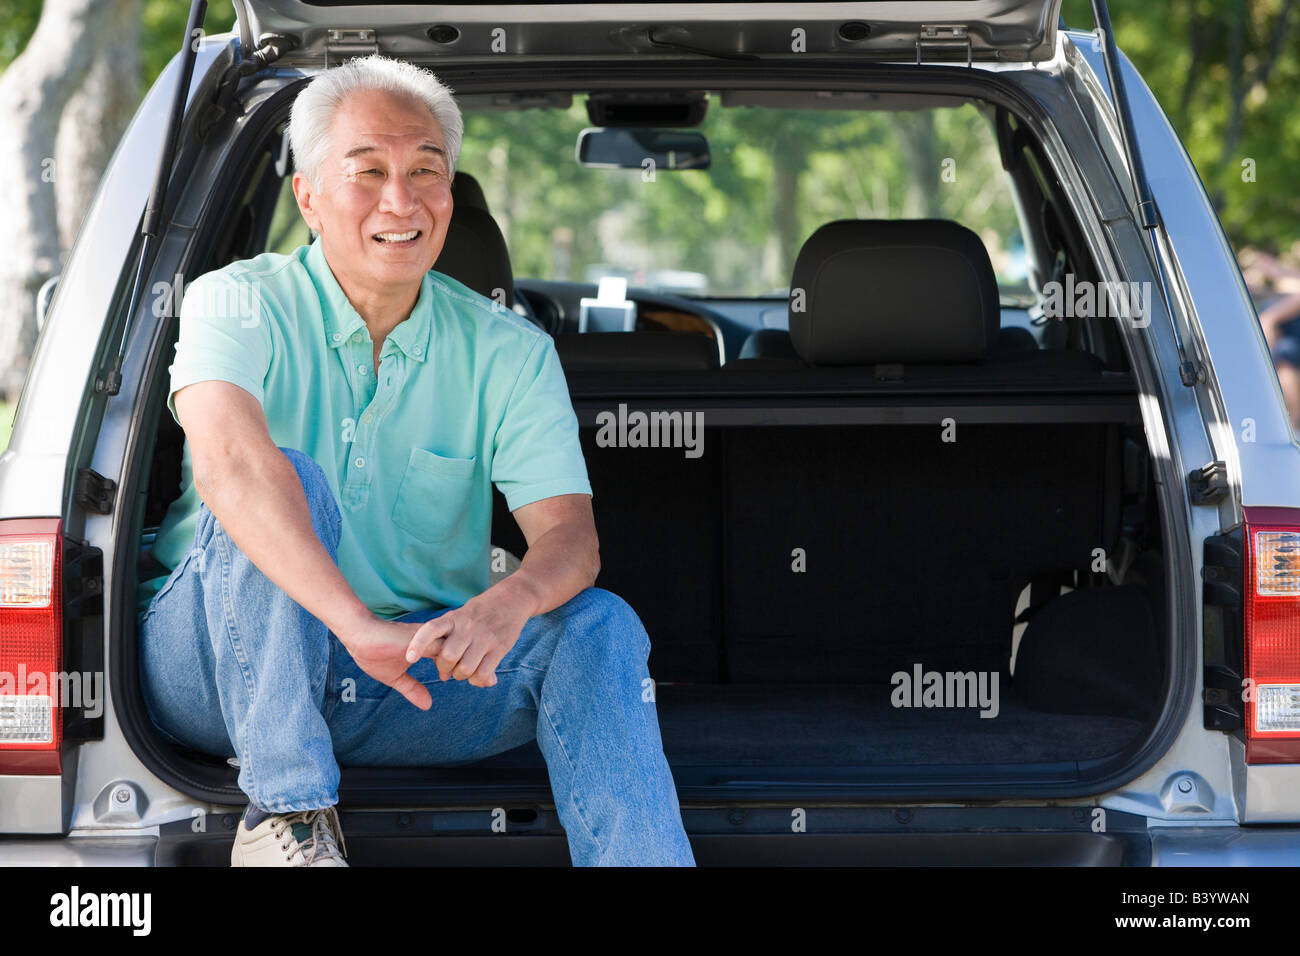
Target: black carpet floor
856,725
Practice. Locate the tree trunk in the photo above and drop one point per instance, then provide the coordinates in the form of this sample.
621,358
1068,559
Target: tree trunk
96,116
789,156
33,92
918,137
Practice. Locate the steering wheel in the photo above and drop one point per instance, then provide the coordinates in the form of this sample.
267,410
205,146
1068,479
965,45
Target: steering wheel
547,319
715,320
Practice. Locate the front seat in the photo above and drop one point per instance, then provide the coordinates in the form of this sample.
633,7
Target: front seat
475,251
885,291
903,291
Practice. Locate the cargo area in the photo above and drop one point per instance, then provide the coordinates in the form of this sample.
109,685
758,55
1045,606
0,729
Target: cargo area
797,579
908,543
815,554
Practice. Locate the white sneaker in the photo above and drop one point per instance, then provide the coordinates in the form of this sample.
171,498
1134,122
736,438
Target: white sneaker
302,838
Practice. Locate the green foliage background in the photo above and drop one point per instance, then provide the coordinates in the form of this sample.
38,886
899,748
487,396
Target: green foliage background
1199,57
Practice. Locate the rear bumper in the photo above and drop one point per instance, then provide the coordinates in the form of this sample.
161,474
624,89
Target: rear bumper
378,844
134,850
1225,846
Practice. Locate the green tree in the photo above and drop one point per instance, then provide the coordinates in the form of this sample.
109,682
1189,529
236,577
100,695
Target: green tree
1226,73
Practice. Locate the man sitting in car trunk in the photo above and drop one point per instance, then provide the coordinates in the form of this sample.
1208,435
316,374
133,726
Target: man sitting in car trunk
346,413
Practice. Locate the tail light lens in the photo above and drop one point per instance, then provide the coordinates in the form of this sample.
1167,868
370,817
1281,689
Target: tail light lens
31,645
1272,635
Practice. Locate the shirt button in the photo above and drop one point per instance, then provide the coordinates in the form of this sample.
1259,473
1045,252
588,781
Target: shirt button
367,417
419,351
360,462
356,336
337,336
361,369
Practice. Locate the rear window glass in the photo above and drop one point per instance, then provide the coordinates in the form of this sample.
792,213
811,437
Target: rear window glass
735,228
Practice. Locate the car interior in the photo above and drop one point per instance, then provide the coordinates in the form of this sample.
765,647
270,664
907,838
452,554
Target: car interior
905,465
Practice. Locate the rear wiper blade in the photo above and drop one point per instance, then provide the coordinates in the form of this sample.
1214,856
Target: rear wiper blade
1148,212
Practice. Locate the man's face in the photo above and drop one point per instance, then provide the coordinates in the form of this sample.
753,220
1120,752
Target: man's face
386,174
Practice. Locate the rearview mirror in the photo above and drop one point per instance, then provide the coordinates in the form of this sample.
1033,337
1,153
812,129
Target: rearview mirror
630,147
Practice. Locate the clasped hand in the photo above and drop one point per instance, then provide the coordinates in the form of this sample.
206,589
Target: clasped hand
467,643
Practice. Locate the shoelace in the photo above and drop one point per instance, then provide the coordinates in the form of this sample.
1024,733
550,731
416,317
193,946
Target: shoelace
324,825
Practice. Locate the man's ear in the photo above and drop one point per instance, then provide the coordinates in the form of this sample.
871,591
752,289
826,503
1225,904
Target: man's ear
305,193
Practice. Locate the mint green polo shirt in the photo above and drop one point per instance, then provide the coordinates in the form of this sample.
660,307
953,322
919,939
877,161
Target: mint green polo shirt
468,394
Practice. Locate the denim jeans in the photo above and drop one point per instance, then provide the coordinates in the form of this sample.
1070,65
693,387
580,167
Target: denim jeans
235,667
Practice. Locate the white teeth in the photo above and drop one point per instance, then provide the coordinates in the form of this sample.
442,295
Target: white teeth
397,236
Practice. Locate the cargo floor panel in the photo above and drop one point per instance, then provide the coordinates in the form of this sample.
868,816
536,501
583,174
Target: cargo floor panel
856,725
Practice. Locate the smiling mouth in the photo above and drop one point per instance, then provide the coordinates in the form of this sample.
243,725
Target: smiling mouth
397,238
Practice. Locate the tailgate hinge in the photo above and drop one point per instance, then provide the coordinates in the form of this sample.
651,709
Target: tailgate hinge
345,43
1208,483
944,36
93,492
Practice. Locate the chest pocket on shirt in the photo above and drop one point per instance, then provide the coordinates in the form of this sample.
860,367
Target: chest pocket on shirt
434,496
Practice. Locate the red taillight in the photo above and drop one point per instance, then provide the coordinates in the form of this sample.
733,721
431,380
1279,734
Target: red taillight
1272,635
31,645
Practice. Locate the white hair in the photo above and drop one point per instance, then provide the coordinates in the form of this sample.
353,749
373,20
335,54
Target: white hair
313,110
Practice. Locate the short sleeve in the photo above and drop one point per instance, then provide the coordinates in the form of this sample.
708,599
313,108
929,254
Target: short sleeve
224,335
537,453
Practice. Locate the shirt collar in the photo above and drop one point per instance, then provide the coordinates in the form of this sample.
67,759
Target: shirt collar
341,318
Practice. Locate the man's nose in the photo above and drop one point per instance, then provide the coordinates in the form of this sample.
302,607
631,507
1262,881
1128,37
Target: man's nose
397,196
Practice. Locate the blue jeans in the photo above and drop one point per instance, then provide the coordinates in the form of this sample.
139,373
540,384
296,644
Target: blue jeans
235,667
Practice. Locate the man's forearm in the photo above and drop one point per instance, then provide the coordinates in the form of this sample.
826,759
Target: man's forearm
259,500
559,564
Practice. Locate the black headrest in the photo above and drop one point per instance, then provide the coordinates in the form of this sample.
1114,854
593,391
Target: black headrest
466,191
869,291
635,351
475,253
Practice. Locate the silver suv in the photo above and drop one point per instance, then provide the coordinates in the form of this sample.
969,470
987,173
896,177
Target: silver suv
984,548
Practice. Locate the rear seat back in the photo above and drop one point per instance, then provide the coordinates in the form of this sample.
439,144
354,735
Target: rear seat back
659,520
854,552
937,529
